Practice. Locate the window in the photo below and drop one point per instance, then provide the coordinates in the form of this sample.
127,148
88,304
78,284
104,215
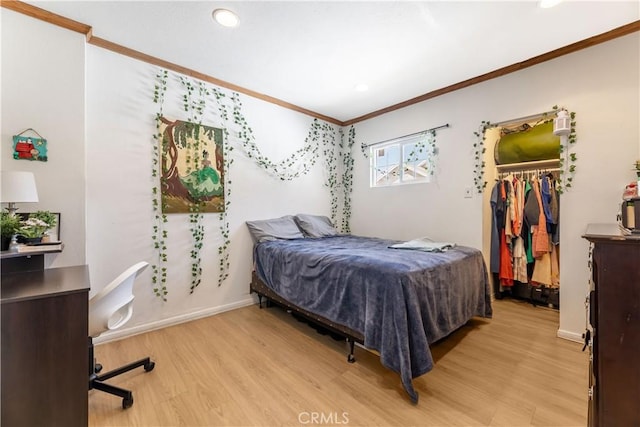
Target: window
403,160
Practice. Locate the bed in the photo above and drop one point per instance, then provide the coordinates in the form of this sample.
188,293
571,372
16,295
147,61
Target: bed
394,301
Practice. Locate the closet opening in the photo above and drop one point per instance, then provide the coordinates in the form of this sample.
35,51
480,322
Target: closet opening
521,210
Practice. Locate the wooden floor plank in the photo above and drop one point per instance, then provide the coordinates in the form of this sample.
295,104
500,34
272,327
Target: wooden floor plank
261,367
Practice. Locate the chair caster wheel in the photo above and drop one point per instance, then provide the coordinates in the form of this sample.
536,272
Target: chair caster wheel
127,402
351,358
97,368
149,366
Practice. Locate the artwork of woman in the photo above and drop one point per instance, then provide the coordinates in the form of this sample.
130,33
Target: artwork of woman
192,178
203,183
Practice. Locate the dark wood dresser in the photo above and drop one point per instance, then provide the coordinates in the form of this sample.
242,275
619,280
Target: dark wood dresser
614,313
44,352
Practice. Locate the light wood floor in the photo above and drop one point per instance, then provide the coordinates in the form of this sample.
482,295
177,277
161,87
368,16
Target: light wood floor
251,367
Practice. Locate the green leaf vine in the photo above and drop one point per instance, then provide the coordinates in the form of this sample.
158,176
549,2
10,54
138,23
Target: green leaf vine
159,233
426,144
331,167
321,140
296,165
223,249
347,176
478,156
194,107
568,158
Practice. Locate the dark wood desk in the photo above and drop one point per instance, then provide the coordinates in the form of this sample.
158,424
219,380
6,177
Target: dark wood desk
44,350
615,319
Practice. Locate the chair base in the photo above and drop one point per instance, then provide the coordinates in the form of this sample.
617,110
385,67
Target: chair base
97,381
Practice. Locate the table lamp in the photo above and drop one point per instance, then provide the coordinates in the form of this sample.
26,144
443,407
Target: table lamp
17,187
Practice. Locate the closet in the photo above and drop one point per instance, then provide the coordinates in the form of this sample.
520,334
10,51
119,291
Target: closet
521,208
524,256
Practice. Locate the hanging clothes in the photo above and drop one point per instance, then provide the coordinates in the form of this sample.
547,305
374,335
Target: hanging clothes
542,270
540,235
525,231
555,213
494,256
545,195
506,268
555,266
520,272
526,224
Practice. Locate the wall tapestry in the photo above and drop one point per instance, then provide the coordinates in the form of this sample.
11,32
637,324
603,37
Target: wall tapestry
192,176
29,147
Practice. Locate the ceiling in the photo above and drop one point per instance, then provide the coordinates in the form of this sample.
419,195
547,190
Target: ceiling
313,53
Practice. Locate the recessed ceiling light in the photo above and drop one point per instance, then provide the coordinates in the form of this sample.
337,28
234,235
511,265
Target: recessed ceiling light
362,87
545,4
225,17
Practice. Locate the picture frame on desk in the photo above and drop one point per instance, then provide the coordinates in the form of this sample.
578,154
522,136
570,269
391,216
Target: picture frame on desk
53,233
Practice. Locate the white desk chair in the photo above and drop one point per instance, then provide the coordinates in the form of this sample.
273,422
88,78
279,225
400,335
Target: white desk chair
109,309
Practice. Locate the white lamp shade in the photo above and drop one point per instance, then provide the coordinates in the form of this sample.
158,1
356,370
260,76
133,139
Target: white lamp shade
18,187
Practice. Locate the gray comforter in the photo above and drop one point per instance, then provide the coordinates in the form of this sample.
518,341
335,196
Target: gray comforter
400,300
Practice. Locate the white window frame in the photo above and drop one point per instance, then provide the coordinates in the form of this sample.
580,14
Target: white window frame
400,169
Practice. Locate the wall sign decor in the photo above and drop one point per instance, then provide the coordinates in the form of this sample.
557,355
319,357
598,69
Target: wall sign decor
27,147
192,167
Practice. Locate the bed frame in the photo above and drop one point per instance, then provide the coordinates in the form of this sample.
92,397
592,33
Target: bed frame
348,334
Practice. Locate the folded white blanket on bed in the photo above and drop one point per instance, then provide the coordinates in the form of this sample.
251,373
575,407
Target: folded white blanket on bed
424,244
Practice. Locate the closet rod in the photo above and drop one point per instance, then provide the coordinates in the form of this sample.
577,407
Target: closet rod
539,164
525,119
505,174
406,136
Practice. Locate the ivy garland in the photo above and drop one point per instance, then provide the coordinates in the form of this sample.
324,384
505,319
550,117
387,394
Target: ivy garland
331,167
478,152
296,165
567,157
427,143
159,234
195,111
321,138
347,176
223,249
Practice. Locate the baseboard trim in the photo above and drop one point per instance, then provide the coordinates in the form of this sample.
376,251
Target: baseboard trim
571,336
176,320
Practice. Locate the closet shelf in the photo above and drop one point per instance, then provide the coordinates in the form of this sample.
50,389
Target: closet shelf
540,164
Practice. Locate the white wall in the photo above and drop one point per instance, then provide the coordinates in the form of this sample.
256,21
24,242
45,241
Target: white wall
120,125
601,84
43,89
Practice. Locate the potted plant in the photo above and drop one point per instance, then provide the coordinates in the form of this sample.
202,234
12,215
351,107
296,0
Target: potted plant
9,225
32,230
47,217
